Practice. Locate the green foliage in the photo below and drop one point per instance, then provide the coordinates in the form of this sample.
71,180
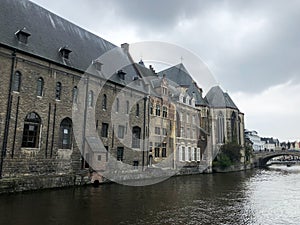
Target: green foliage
230,154
248,152
223,161
233,151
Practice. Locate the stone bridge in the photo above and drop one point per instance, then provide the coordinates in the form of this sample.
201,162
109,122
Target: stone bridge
261,158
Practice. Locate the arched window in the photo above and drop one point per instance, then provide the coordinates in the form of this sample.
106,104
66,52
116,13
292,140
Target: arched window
136,136
40,86
31,130
104,102
17,82
220,128
66,133
117,105
58,91
233,127
157,110
127,107
90,98
75,94
137,112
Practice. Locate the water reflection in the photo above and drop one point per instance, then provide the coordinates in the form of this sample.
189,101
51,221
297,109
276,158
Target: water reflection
254,197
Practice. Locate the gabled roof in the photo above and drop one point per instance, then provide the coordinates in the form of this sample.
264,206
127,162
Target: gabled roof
181,76
49,33
217,98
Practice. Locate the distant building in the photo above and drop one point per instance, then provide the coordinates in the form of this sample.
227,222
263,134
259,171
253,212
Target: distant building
271,144
257,143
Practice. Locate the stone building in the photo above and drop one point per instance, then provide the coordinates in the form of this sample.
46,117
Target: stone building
227,122
65,111
192,121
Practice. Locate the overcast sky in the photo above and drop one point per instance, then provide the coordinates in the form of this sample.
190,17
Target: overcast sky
252,47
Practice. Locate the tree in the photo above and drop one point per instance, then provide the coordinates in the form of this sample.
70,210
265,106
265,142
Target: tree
233,151
230,154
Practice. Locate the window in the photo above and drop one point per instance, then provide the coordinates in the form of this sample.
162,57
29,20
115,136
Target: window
151,108
156,152
183,154
157,110
23,35
65,51
193,154
165,112
188,133
66,133
104,131
90,98
31,130
40,86
181,131
184,100
127,107
164,132
220,128
117,105
17,82
164,150
180,153
137,112
157,130
188,154
121,131
136,136
198,154
164,91
120,153
75,94
104,102
58,91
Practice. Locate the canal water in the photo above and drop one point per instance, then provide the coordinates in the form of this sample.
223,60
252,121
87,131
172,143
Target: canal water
268,196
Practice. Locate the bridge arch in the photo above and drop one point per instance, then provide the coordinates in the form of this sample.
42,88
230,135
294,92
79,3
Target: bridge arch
263,157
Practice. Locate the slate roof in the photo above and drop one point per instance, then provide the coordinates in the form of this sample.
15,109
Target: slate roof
217,98
49,33
181,76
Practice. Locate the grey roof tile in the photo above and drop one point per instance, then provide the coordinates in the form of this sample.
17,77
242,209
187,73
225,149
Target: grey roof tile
218,99
49,33
181,76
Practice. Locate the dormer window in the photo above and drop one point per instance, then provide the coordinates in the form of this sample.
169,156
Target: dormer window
97,65
23,35
121,74
65,52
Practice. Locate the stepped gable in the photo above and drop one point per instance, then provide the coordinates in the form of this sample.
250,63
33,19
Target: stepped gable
217,98
181,76
48,34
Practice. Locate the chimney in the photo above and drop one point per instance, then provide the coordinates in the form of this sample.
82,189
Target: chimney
125,47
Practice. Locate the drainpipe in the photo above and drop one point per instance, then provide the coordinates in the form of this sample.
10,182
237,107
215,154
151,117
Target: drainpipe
8,112
144,133
84,121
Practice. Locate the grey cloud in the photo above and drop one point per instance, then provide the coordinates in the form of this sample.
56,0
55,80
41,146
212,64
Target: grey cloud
271,58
